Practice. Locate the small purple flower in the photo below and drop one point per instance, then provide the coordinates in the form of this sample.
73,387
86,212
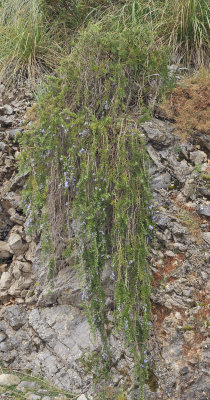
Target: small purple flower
112,276
150,207
104,356
151,227
130,262
43,130
66,183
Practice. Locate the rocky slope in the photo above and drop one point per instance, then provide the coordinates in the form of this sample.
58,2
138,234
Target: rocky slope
43,329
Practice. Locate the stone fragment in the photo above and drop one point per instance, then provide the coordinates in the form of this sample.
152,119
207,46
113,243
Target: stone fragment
15,315
2,337
2,89
5,121
189,188
15,217
3,146
206,237
32,396
13,132
9,380
198,157
28,385
169,253
61,397
82,397
157,136
6,109
204,140
11,200
204,209
161,181
5,250
46,398
5,280
16,244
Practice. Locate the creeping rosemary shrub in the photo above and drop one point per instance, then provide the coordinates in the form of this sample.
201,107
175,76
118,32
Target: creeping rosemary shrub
88,185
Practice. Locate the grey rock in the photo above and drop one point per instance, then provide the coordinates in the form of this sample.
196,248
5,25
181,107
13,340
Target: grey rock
61,397
15,315
16,244
157,136
5,121
204,191
198,157
32,396
180,246
2,89
184,370
9,380
204,140
5,250
5,281
6,110
3,146
11,200
13,132
204,209
206,237
161,181
189,188
82,397
5,223
2,336
28,385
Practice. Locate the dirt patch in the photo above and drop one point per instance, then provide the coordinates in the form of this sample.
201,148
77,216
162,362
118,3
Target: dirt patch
188,106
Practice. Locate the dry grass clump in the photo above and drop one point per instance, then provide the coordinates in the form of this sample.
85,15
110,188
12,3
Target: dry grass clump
189,105
184,26
29,46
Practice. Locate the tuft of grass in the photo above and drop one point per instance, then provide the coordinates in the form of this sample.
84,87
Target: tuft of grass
184,26
29,46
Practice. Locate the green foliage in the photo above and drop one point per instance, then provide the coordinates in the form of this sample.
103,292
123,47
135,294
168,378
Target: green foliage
74,13
88,185
29,46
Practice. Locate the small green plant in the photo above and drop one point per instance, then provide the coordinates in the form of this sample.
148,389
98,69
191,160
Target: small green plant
188,328
198,168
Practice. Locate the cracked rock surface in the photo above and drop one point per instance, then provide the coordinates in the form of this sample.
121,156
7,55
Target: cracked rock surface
44,329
